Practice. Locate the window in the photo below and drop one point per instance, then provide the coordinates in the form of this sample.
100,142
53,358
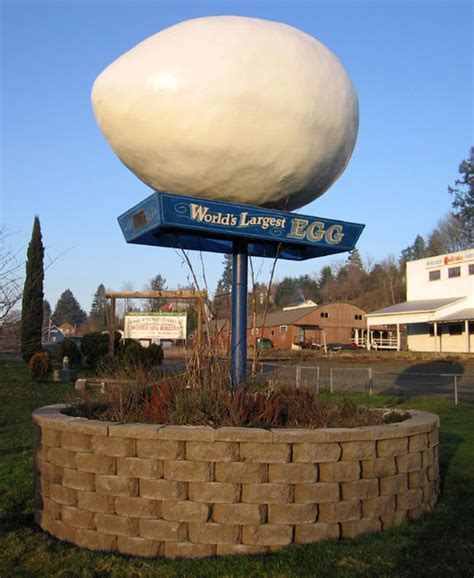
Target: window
358,317
471,328
471,268
435,275
431,330
454,272
272,332
324,314
283,328
455,329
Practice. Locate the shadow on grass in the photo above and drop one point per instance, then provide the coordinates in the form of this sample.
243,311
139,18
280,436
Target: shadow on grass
443,534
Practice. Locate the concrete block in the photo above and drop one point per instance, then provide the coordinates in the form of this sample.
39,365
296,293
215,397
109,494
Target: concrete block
295,473
339,512
408,463
162,530
238,513
186,511
162,490
78,480
95,502
116,485
317,493
414,480
62,495
375,507
142,431
184,471
212,451
418,442
53,509
379,468
137,508
96,540
299,436
136,546
409,499
117,525
61,457
212,533
50,437
76,442
96,464
292,513
392,447
393,484
186,433
63,532
139,468
160,449
78,518
214,492
307,533
339,472
265,453
113,446
85,426
392,519
239,472
353,528
428,457
433,437
267,535
321,452
266,493
243,434
240,549
360,489
188,550
50,472
363,450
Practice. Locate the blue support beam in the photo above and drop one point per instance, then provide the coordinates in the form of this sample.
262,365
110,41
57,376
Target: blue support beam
239,313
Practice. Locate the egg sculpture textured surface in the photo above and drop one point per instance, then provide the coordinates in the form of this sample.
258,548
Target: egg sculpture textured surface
230,108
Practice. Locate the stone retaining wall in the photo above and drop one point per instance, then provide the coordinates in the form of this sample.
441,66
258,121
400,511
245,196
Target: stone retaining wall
149,490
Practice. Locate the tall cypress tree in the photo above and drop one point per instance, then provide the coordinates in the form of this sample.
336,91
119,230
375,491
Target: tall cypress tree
32,304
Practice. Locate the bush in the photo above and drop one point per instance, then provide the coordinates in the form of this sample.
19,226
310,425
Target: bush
40,366
95,346
133,353
67,348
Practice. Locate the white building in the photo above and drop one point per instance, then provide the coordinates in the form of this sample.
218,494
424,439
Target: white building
439,310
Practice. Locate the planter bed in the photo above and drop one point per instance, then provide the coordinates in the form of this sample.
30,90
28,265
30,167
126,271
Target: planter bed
187,491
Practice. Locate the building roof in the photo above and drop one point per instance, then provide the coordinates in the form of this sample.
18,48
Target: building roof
281,317
461,315
417,306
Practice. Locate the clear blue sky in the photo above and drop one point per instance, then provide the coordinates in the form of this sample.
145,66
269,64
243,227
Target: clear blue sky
411,63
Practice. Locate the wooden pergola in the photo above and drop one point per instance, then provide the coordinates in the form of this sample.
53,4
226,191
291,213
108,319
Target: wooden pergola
180,294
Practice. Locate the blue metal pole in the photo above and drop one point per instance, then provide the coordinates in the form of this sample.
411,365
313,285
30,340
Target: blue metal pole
239,313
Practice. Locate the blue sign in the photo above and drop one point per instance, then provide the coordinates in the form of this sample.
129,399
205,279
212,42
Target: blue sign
168,220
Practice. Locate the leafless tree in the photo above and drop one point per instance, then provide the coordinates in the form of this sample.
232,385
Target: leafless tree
10,279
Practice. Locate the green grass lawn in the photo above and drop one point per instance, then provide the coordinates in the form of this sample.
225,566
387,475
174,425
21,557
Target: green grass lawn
440,544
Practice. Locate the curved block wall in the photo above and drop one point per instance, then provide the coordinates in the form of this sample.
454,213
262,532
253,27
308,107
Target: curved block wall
150,490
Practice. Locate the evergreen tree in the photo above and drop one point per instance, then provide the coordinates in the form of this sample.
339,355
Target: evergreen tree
287,291
68,310
99,313
325,276
32,304
463,202
224,285
46,312
157,283
413,252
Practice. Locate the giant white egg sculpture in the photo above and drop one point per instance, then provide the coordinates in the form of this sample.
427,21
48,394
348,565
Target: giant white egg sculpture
230,108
